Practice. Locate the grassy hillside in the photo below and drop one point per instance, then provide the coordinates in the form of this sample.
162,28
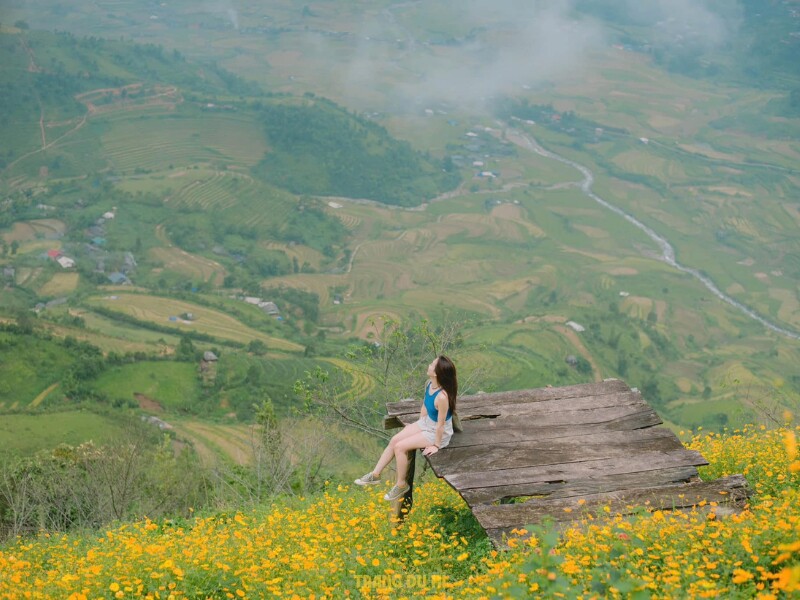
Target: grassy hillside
27,434
341,543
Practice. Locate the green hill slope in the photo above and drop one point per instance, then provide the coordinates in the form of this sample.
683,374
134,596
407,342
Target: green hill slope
319,148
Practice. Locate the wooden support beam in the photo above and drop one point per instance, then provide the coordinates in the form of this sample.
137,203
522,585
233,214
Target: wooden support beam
402,506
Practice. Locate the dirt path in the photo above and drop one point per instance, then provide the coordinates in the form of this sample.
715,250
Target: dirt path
32,66
80,122
41,125
40,398
45,146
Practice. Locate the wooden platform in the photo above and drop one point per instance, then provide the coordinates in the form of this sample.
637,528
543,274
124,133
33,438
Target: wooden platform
529,454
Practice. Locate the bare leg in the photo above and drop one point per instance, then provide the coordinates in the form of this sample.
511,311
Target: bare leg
401,448
388,453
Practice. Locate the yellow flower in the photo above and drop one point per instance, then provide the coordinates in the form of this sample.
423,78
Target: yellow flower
740,576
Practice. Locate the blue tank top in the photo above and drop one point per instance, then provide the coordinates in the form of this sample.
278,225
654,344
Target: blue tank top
430,403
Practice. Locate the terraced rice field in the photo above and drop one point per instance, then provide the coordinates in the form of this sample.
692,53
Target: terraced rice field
25,231
108,334
319,284
213,441
219,191
195,268
212,322
60,284
350,221
360,384
302,253
26,275
246,201
167,139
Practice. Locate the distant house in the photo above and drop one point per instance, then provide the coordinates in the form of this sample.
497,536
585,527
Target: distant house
572,360
57,302
209,356
118,278
65,262
9,273
252,300
54,254
576,326
108,215
269,307
98,241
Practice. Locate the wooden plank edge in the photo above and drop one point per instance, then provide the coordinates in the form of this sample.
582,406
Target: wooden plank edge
734,497
728,490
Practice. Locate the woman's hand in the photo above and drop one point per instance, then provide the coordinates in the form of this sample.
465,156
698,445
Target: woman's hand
432,449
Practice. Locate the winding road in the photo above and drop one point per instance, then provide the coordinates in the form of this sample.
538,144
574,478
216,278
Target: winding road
667,251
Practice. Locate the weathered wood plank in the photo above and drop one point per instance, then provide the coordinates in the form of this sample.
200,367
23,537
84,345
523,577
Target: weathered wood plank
498,454
531,412
553,406
562,417
622,419
499,407
594,484
731,489
581,390
579,469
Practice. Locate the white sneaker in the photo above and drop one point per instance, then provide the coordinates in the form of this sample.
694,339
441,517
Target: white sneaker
396,492
368,479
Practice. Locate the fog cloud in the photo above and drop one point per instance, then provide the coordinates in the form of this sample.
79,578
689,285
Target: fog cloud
504,45
706,23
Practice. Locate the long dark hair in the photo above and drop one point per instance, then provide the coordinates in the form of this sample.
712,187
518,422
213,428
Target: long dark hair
448,380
